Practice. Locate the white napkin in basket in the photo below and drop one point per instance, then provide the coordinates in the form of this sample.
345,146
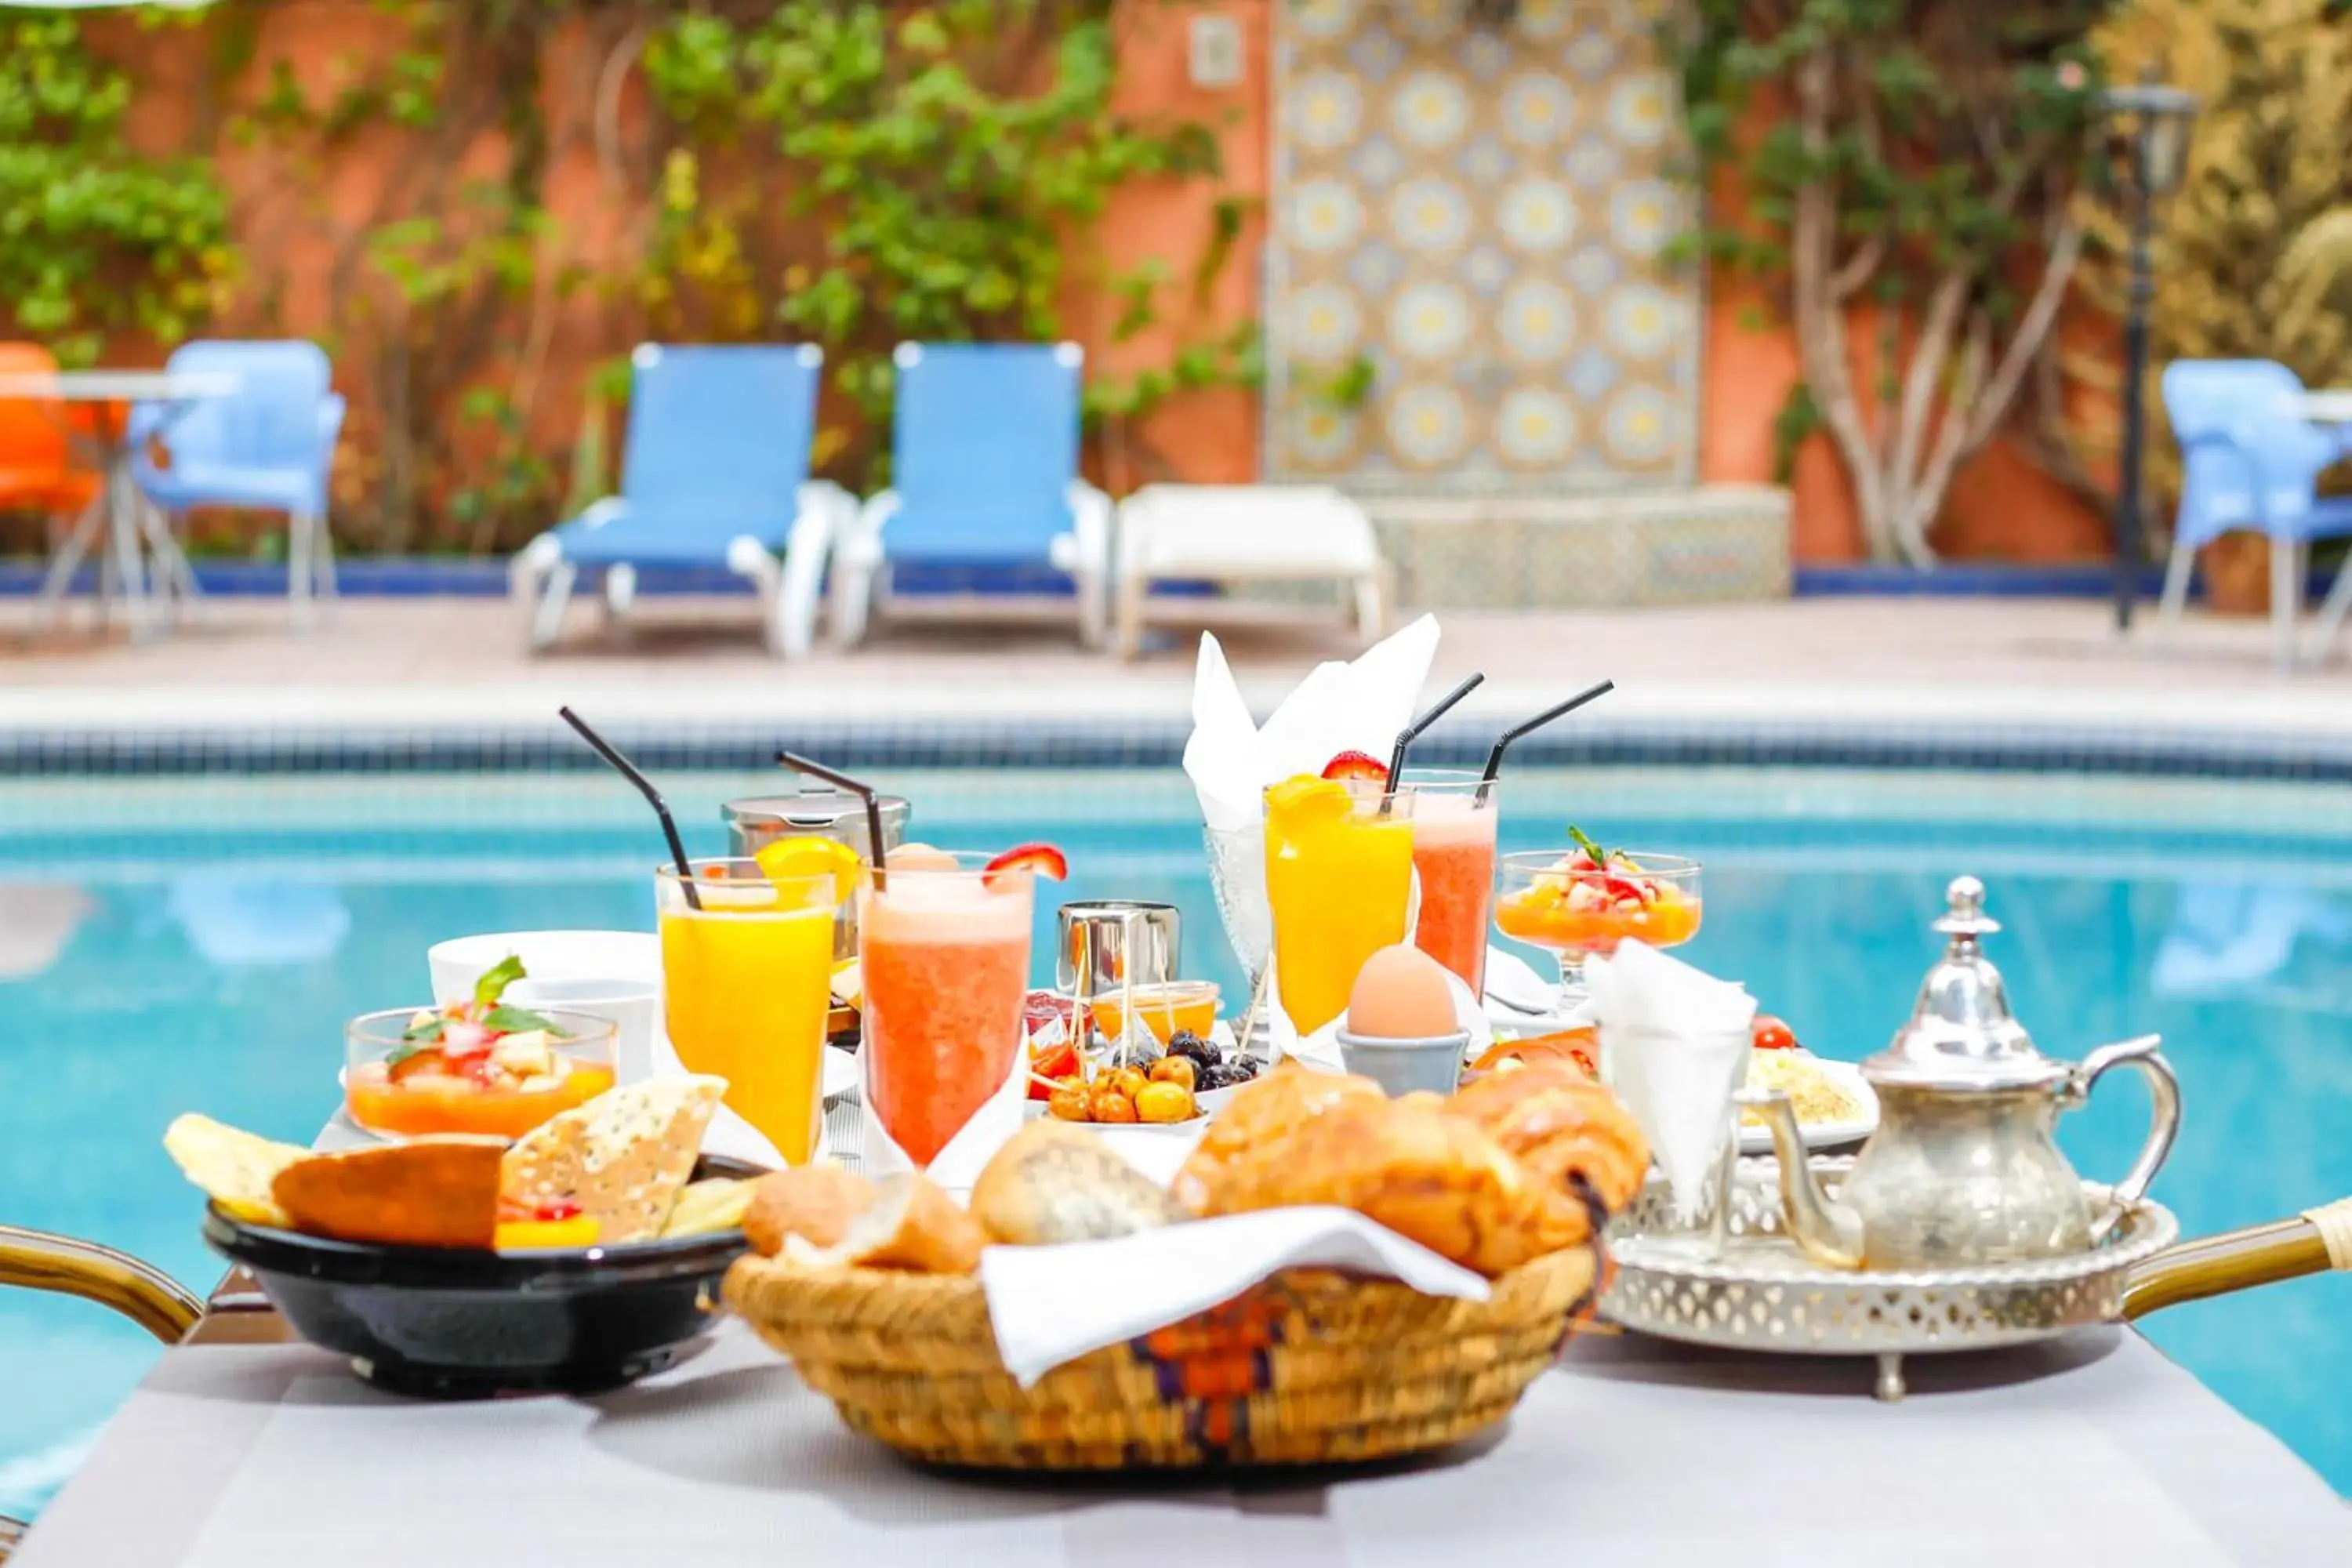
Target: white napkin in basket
1357,706
1054,1304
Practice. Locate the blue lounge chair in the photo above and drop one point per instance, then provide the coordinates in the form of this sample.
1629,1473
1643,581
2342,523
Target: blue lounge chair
268,446
2251,459
984,445
714,473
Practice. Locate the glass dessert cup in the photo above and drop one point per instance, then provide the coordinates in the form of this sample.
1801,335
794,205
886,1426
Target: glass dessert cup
1547,899
1190,1005
747,984
1455,813
945,955
1339,879
396,1085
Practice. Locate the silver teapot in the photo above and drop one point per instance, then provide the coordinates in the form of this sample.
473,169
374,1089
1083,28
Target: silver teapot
1964,1169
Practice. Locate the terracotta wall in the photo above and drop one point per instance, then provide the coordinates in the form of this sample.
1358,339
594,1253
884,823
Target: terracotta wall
2001,506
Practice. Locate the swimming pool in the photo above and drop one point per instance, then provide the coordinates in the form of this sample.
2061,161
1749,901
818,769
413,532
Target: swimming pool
194,944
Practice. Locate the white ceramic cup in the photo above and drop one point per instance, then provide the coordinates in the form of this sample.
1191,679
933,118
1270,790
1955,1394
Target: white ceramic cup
633,955
621,971
631,1006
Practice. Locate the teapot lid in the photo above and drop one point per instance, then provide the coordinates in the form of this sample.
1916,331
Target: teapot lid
1962,1036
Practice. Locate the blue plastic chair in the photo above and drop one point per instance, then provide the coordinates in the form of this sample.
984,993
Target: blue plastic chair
2251,459
984,443
714,473
268,446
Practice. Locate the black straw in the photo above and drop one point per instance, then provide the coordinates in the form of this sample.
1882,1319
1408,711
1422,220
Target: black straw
863,792
1503,741
1412,732
628,771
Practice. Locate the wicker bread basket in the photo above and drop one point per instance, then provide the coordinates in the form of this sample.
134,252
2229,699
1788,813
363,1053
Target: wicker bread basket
1310,1368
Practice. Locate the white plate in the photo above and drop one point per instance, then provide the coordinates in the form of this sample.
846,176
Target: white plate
1826,1134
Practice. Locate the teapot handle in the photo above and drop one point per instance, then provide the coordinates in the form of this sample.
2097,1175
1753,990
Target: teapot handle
2163,1119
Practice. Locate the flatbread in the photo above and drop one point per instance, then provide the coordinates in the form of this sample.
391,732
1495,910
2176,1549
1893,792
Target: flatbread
234,1167
428,1192
622,1158
706,1208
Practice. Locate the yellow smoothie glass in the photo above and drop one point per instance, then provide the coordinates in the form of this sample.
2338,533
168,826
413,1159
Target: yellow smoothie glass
747,982
1338,876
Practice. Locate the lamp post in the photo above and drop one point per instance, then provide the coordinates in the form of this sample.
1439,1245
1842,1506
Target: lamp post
2156,118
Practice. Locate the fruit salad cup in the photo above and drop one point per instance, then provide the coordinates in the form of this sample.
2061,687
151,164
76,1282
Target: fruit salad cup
471,1067
1338,876
1579,902
747,980
1454,818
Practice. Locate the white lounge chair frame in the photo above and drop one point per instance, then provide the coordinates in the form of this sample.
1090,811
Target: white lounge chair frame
539,581
1245,534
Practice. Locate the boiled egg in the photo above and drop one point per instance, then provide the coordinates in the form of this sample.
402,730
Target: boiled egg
1401,995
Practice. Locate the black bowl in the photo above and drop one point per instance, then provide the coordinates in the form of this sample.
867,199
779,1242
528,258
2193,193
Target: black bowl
445,1323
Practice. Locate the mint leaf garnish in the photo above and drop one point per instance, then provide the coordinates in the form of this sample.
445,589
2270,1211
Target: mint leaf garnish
401,1053
425,1034
494,982
1600,856
515,1020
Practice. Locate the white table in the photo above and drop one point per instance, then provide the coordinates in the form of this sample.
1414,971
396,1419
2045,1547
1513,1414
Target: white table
2094,1450
129,535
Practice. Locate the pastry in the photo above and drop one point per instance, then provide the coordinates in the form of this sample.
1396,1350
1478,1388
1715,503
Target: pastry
912,1224
1560,1125
1260,1113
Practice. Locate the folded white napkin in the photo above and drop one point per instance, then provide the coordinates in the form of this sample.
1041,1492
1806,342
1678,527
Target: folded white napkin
1357,706
1675,1046
1053,1304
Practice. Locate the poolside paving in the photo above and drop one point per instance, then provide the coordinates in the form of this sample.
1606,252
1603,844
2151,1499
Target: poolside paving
1907,660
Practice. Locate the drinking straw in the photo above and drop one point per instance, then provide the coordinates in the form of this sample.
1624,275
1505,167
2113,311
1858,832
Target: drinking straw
863,792
1503,741
1412,732
628,771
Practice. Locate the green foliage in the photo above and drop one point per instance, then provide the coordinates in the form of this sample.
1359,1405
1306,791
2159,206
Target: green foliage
1908,165
940,178
94,236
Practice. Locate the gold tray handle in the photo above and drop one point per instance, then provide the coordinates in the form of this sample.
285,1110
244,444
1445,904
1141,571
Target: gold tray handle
36,1260
2314,1242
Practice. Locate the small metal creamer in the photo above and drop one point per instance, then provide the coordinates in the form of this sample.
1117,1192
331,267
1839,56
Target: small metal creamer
1965,1168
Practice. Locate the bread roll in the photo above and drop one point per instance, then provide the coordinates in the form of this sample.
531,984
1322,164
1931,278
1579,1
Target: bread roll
815,1202
1262,1112
1053,1183
1414,1167
1561,1125
912,1224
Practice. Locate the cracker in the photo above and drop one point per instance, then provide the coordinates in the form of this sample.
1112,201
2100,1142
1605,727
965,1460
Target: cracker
623,1158
234,1167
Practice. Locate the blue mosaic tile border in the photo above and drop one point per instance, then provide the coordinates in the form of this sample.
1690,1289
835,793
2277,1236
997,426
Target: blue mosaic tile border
1144,743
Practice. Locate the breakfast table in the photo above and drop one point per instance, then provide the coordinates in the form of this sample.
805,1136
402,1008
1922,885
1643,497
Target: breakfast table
129,536
241,1450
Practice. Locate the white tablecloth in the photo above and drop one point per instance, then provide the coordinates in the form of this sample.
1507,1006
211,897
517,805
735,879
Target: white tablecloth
2093,1452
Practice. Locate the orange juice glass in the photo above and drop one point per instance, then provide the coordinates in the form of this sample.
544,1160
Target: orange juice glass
747,982
944,949
1187,1005
1338,876
1454,819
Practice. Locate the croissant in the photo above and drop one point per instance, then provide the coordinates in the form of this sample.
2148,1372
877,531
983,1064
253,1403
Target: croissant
1560,1124
1414,1167
1263,1112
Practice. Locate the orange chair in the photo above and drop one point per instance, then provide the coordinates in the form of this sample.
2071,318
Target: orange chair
37,471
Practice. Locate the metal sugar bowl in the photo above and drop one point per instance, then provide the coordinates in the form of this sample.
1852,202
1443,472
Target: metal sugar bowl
1963,1170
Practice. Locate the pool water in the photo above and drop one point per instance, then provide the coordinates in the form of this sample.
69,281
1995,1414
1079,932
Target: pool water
170,945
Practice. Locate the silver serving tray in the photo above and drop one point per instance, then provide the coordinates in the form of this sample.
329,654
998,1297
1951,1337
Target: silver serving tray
1761,1293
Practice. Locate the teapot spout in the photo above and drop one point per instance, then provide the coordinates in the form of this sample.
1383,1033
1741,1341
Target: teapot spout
1828,1232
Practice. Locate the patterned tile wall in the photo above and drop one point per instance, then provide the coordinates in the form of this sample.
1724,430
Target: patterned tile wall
1483,214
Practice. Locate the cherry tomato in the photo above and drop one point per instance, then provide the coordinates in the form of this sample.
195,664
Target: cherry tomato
1770,1034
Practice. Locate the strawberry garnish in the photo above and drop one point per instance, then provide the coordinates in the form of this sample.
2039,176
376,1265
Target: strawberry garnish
1357,766
1042,859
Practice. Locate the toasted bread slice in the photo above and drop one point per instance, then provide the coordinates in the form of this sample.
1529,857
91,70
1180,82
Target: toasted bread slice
234,1168
623,1158
428,1192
